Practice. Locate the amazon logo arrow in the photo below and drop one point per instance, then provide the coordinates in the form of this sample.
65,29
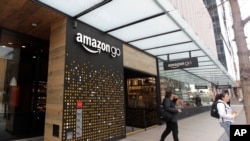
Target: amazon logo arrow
90,50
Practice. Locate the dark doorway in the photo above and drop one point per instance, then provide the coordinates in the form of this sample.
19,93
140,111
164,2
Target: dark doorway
140,99
24,70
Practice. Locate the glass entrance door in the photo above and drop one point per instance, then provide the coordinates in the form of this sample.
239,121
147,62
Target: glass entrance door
23,76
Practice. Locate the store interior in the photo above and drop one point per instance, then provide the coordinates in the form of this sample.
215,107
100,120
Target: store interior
141,100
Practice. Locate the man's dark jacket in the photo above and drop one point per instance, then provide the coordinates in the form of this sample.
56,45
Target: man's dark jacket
169,106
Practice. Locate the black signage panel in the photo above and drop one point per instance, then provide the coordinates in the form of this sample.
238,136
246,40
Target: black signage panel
180,64
239,132
200,87
94,79
223,87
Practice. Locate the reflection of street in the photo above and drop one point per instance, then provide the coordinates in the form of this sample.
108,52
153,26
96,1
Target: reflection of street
1,103
4,135
196,99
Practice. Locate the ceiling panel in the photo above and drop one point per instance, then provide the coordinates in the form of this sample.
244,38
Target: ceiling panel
70,8
120,12
141,30
174,49
156,27
162,40
206,63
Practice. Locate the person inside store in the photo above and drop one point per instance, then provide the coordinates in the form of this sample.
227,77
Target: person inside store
169,103
226,113
198,101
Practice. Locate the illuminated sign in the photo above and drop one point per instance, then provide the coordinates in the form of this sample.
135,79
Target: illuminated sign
180,64
93,45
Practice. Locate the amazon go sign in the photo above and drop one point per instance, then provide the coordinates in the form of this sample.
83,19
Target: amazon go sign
95,46
182,63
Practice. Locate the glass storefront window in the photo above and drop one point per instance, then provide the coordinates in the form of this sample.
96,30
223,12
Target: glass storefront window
188,95
141,102
141,93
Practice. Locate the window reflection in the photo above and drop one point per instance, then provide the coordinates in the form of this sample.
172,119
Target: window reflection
188,95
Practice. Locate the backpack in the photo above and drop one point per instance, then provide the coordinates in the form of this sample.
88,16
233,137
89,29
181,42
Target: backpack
214,111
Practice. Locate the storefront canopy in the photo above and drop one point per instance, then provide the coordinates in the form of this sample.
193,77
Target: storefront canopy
153,26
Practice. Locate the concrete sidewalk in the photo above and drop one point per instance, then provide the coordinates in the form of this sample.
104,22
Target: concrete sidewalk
195,128
200,127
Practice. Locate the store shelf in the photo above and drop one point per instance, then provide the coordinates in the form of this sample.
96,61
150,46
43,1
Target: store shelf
39,93
141,93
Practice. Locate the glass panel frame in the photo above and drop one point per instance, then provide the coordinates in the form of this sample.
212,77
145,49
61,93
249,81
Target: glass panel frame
120,12
71,8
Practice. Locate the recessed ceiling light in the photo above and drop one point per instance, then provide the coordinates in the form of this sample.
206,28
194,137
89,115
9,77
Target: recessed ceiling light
34,24
23,46
34,57
10,43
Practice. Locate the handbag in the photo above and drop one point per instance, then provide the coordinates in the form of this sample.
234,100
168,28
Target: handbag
165,114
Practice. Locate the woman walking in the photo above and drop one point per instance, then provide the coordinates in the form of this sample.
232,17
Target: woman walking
226,113
171,123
